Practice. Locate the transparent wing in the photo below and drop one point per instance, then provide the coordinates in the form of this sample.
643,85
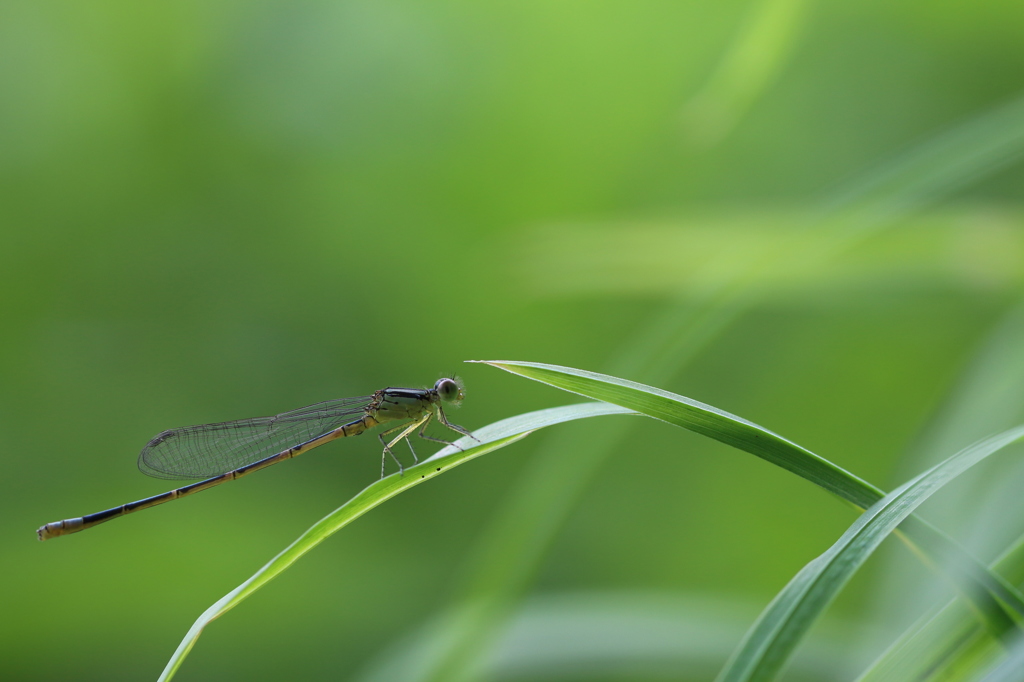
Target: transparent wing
213,449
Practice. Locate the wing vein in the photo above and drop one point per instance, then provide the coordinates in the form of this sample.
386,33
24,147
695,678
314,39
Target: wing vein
208,450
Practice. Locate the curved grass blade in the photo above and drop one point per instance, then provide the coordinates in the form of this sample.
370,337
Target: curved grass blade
956,158
776,633
997,602
526,524
703,419
945,636
493,437
988,398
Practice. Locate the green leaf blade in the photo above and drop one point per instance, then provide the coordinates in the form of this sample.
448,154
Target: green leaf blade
996,601
772,639
491,437
703,419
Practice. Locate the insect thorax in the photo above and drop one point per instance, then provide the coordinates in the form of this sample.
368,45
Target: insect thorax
391,404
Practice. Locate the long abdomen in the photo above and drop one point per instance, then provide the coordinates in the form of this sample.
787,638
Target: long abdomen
68,526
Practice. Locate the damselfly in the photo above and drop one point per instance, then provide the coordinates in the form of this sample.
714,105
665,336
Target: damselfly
228,450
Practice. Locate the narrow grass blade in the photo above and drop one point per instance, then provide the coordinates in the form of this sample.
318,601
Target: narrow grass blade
703,419
508,553
973,577
987,398
779,629
945,636
957,158
493,437
1011,668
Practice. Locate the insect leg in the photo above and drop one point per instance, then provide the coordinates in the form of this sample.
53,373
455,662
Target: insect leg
454,427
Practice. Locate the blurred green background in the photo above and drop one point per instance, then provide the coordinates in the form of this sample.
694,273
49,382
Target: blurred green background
216,210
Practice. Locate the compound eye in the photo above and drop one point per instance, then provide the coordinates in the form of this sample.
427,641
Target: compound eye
449,390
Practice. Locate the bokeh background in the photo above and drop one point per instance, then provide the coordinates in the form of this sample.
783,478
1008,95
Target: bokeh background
808,214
